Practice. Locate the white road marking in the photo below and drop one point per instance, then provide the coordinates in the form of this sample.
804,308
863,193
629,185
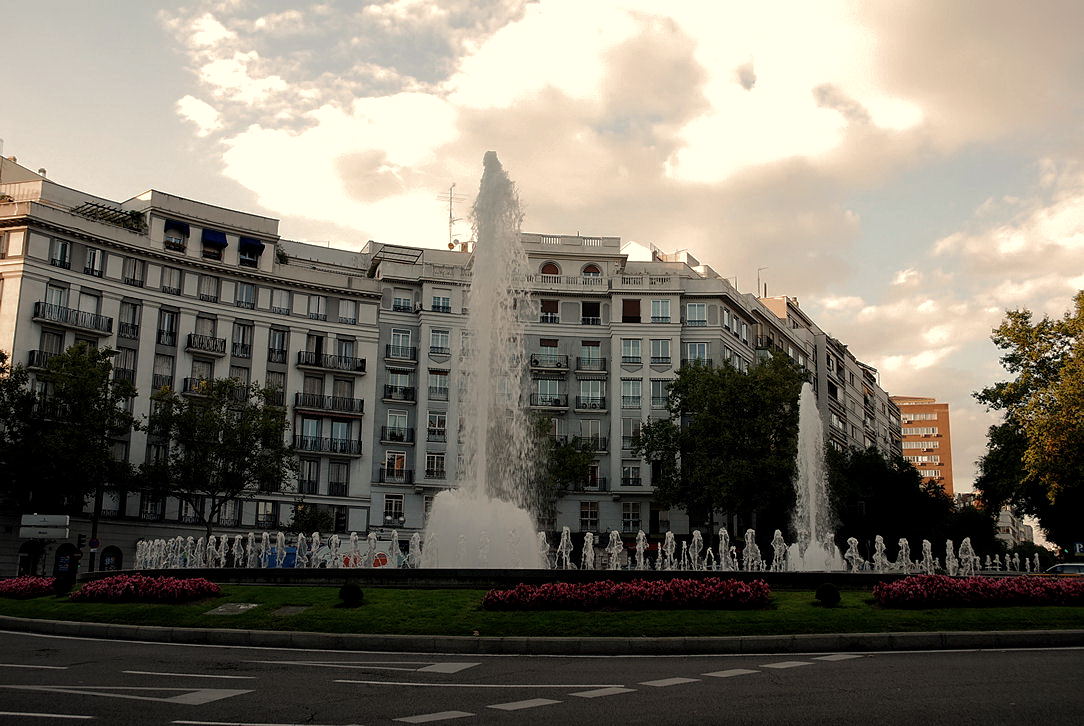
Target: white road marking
36,667
786,664
46,715
440,716
520,705
484,685
376,665
664,682
730,673
254,723
187,675
447,667
189,696
600,692
837,656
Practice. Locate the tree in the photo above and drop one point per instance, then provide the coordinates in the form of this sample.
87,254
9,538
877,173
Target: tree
17,406
1035,459
561,464
729,442
308,518
225,443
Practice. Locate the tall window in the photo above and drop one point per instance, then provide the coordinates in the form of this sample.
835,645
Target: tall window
163,371
659,393
630,350
60,253
439,342
345,347
437,427
696,314
171,280
317,307
548,391
630,515
348,311
52,342
308,476
167,327
203,370
434,466
277,341
242,340
338,478
630,310
393,510
696,351
588,516
134,271
208,288
630,393
660,351
660,311
240,374
56,295
95,262
438,385
630,430
442,301
402,301
590,313
550,311
280,302
400,343
128,322
246,295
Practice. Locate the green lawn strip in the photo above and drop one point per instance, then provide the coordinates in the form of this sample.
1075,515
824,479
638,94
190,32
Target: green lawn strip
457,612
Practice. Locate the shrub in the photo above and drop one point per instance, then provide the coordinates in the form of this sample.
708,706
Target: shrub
26,587
709,593
828,595
928,591
351,595
139,588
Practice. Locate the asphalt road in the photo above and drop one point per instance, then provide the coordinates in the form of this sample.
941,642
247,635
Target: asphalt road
61,680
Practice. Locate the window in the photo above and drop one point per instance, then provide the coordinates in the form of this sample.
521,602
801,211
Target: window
630,514
134,271
591,270
240,374
56,295
631,393
438,385
550,268
128,323
630,311
590,313
171,281
745,333
242,340
203,370
659,393
277,342
660,351
921,444
340,431
442,301
726,318
550,312
439,342
266,514
95,262
393,510
280,302
60,254
308,476
548,392
434,466
437,427
630,351
206,326
52,342
249,251
930,473
696,352
163,371
400,344
313,385
345,347
348,312
317,307
591,431
588,516
428,506
402,302
921,431
660,311
591,395
630,431
696,314
245,295
176,235
167,327
343,388
338,478
276,380
4,238
208,288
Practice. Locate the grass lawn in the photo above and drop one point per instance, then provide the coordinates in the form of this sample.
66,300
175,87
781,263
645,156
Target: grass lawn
457,612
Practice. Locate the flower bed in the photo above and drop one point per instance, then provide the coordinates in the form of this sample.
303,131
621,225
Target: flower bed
26,587
709,593
938,591
138,588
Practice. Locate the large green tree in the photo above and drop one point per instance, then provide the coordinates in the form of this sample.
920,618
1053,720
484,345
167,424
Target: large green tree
225,443
561,463
17,432
729,442
1035,458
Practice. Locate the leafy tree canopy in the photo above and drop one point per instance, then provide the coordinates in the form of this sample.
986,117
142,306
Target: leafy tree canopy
561,463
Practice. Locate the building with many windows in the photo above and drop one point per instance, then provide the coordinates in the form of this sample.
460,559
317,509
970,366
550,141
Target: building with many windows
927,438
366,349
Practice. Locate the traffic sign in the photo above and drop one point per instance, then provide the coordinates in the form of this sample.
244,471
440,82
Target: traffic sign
1078,548
44,520
43,532
94,543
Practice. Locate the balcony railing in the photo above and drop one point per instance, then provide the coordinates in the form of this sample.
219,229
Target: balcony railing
590,364
439,350
395,476
128,330
590,320
196,386
549,400
696,361
320,402
591,403
161,380
660,318
307,486
630,481
331,362
318,316
549,361
399,393
280,310
170,290
402,307
124,374
397,434
266,521
628,442
592,443
632,359
39,358
436,435
276,355
95,271
241,350
436,474
72,317
658,402
401,352
133,281
438,393
208,297
166,337
630,401
549,318
324,444
441,308
206,344
660,360
696,323
596,484
347,320
337,489
61,262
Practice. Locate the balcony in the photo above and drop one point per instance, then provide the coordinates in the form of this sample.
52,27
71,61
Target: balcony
631,481
93,271
706,362
438,393
549,400
590,403
401,352
549,318
337,489
39,358
307,486
590,320
129,331
436,474
402,307
568,282
396,435
196,386
436,435
124,374
549,361
591,443
89,322
241,350
628,443
595,484
161,380
590,364
275,398
631,360
660,319
630,402
276,355
327,445
697,323
349,364
658,401
166,337
205,344
660,360
338,404
441,308
61,262
175,244
439,350
395,476
133,281
406,394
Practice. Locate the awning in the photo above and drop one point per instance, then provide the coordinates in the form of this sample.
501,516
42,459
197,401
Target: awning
172,225
250,244
214,238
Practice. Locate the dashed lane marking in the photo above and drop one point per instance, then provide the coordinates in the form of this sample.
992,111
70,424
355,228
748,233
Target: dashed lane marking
484,685
253,723
838,656
520,705
188,675
786,664
46,715
427,666
34,667
664,682
188,696
600,692
440,716
730,673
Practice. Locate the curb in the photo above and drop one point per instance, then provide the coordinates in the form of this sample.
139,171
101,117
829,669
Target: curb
729,645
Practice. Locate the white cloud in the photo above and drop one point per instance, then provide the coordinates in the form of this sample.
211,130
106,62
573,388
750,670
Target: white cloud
201,113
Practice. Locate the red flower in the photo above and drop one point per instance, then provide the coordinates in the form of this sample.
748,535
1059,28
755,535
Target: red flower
711,592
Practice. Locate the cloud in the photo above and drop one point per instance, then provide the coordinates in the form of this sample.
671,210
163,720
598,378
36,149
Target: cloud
746,75
202,114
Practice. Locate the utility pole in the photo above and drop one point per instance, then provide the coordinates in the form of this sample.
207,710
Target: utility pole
759,293
451,197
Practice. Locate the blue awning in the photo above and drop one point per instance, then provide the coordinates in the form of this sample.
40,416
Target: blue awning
172,225
214,238
250,244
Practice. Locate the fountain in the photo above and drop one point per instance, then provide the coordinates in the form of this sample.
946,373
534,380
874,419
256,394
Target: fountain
494,495
814,549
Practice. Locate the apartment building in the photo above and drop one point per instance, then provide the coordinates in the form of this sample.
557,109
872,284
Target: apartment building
366,347
927,438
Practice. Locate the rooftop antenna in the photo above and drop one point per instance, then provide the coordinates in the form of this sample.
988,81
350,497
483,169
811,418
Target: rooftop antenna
758,281
451,197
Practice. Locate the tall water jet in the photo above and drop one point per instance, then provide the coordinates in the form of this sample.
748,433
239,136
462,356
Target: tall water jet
812,520
494,493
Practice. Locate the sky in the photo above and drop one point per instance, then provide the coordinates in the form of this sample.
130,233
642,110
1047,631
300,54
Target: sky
907,170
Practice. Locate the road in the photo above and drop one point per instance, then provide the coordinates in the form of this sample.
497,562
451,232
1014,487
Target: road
62,680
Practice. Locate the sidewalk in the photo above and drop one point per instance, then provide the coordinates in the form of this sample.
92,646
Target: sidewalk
817,643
